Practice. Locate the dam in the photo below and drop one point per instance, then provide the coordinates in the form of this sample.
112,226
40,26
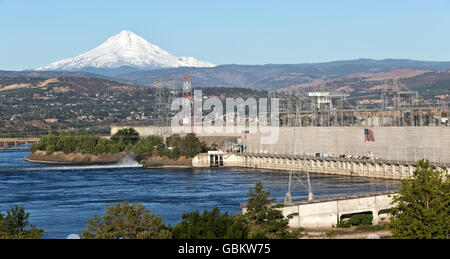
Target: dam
396,144
328,150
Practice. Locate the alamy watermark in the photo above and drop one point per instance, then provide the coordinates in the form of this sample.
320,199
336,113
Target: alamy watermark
234,119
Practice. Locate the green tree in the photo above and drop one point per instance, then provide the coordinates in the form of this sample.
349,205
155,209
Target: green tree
188,146
263,217
361,219
192,145
126,221
173,141
127,136
15,225
148,144
210,225
421,207
85,143
101,147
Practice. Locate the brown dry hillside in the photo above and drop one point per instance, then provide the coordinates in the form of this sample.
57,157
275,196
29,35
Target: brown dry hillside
396,74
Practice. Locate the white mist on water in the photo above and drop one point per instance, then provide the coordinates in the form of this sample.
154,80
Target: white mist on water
126,162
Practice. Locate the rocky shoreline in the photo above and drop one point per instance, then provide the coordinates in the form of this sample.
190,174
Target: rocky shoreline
106,159
165,162
75,159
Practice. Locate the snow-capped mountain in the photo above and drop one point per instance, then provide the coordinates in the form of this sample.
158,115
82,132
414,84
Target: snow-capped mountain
124,50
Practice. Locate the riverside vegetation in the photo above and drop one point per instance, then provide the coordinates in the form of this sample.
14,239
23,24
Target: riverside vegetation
134,221
125,140
262,221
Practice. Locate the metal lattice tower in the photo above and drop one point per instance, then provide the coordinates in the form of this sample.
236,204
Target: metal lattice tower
296,175
187,98
173,93
160,112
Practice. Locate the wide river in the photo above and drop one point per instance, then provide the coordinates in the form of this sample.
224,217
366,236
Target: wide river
61,199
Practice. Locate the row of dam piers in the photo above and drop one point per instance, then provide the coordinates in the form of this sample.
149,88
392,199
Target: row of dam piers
338,166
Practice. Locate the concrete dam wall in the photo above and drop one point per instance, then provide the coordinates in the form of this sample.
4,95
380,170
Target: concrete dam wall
391,143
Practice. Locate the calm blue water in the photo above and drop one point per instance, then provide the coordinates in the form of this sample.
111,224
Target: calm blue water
62,199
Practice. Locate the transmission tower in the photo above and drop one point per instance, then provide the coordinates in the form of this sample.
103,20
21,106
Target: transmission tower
296,175
160,113
172,95
187,99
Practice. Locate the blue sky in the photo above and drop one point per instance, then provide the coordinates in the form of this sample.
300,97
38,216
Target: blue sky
36,33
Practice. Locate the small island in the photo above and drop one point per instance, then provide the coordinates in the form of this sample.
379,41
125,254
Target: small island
81,148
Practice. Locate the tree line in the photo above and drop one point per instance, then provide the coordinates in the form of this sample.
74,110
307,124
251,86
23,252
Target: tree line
262,221
125,140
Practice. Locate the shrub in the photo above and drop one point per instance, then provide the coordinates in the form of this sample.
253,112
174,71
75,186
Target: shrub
147,145
50,150
175,154
361,219
162,153
344,224
154,165
210,225
35,147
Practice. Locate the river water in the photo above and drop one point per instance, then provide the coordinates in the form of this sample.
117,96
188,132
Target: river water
61,199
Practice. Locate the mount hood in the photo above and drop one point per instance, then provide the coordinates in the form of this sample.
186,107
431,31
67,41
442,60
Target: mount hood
122,53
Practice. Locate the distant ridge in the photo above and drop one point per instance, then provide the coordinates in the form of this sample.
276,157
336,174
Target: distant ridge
48,74
279,76
51,74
